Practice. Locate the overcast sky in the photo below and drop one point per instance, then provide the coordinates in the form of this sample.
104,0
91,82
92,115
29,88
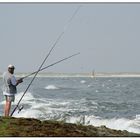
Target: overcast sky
106,35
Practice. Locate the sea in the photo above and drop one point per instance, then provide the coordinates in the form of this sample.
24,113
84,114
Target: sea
110,101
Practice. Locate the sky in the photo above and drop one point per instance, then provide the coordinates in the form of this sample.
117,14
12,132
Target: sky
106,35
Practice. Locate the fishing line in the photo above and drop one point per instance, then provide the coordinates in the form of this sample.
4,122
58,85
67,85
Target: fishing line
57,40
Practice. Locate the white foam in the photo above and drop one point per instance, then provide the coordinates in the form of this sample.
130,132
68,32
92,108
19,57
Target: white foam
103,85
40,108
82,81
36,110
27,99
51,87
28,113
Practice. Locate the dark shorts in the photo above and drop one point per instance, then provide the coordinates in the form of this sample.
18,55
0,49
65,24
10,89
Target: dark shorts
10,98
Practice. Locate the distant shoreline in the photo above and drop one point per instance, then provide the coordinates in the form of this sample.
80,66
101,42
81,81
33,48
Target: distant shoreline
102,74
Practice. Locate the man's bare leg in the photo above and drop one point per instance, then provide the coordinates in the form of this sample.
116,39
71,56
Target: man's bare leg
7,108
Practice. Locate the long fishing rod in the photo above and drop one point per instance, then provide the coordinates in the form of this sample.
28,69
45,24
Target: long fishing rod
57,40
51,65
32,81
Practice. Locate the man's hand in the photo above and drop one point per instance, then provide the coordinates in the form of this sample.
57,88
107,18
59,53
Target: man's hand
20,80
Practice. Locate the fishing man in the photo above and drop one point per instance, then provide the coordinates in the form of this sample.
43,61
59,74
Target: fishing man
9,88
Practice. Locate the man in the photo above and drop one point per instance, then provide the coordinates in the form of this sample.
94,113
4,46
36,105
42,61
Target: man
9,89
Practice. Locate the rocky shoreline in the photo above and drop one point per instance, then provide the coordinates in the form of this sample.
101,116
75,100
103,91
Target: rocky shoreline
28,127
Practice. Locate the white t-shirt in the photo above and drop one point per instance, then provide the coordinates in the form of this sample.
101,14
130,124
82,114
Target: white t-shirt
9,87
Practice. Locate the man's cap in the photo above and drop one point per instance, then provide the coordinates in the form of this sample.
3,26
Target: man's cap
11,66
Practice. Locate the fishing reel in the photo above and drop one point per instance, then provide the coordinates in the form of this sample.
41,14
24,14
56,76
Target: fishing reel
20,108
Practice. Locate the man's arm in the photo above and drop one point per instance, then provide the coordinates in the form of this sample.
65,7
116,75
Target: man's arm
19,81
15,82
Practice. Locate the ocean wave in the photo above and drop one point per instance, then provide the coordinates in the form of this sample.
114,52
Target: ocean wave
51,87
83,81
116,123
113,123
70,112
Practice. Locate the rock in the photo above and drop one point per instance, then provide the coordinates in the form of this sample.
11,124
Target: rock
28,127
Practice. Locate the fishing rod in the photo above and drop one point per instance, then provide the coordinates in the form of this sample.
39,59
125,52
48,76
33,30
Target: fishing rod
57,40
17,106
51,65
